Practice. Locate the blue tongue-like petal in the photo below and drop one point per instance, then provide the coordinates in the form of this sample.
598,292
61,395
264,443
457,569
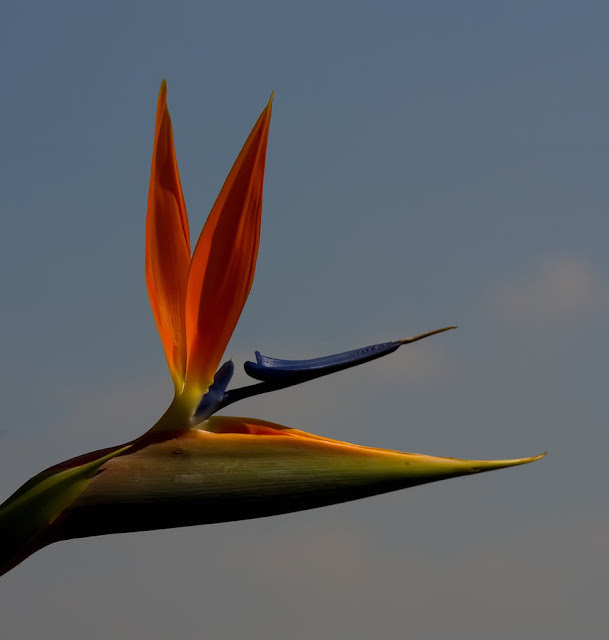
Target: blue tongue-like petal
276,370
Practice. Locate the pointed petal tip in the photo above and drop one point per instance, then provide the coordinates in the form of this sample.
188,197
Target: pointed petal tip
427,334
265,114
162,97
490,465
539,456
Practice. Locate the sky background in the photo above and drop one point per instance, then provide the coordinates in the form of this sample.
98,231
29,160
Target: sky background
429,163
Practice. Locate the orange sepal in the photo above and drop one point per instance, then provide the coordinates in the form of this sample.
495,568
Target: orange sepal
167,244
224,260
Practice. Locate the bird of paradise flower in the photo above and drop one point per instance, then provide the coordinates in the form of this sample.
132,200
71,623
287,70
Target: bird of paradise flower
193,467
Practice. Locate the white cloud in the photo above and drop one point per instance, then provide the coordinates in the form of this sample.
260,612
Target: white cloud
559,288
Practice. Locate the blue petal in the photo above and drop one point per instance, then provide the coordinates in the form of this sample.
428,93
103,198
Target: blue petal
276,370
274,374
215,397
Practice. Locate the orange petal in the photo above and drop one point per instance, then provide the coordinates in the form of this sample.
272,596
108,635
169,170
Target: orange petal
224,260
167,244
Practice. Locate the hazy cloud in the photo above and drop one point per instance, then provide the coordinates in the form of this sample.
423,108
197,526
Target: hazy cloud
309,578
558,288
502,579
118,411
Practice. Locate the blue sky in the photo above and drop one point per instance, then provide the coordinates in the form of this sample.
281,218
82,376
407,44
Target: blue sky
429,164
